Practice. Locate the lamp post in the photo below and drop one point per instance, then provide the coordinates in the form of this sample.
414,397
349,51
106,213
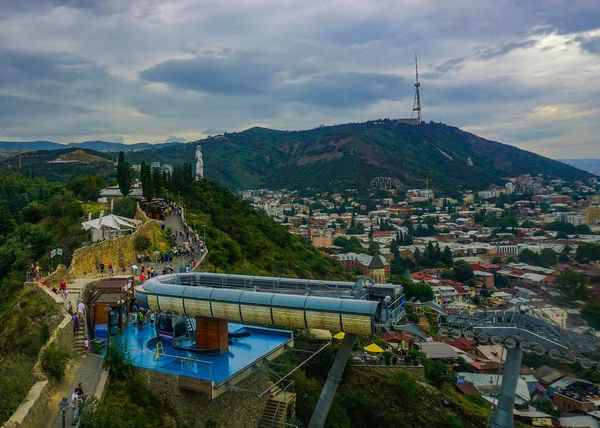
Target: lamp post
64,406
108,311
179,193
204,227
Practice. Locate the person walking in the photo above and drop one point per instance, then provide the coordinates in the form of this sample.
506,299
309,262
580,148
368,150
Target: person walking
86,346
70,309
75,407
63,289
152,319
80,309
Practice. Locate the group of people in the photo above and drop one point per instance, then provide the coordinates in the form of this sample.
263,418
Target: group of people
113,268
400,356
143,315
76,398
35,271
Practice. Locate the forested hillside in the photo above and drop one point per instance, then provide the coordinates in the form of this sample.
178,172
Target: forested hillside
350,155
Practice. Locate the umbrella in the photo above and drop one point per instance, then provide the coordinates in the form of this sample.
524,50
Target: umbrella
373,347
340,335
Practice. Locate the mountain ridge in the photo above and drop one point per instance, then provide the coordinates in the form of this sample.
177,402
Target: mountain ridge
98,145
351,155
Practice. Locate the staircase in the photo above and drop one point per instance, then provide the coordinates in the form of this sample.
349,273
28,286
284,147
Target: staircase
74,290
279,408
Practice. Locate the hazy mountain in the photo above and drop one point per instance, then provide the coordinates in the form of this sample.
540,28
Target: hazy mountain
101,146
589,165
30,145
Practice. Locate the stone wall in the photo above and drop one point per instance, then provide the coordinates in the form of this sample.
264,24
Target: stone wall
231,409
33,412
118,251
60,273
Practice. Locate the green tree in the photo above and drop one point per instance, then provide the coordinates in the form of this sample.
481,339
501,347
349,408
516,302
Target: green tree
373,248
573,285
125,177
463,271
587,252
548,257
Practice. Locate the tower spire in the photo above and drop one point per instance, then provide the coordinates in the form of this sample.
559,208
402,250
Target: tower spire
417,103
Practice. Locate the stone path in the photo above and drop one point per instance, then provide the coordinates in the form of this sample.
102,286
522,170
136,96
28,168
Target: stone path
89,374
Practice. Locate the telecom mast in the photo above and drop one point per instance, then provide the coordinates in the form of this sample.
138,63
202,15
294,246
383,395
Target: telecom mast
417,103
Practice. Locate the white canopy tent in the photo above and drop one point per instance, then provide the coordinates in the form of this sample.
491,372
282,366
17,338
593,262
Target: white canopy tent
109,227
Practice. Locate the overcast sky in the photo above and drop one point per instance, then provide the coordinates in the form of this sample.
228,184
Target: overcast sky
523,72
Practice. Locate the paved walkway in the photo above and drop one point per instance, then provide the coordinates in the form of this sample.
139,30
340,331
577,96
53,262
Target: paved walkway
89,374
175,222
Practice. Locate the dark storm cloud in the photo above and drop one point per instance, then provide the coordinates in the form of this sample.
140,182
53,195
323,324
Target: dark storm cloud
53,74
22,108
589,44
235,74
242,74
348,90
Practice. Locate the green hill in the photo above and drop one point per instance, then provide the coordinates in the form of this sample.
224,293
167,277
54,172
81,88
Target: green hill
350,155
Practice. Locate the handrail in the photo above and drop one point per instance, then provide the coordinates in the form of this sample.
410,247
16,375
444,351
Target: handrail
190,359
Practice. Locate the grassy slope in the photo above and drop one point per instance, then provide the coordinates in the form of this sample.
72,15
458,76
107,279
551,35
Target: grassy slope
24,328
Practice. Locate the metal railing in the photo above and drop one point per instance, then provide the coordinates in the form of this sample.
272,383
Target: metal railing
188,360
286,390
392,312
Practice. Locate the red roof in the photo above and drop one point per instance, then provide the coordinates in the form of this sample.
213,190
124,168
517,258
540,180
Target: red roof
463,344
420,275
461,290
476,267
467,388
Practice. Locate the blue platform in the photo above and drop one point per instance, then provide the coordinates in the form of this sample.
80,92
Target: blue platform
244,352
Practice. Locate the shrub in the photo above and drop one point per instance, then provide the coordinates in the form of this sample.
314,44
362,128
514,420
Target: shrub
15,381
54,360
142,243
118,361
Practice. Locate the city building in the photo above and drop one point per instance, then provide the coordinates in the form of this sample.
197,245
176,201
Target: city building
592,215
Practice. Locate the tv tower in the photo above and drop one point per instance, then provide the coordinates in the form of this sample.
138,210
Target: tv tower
417,103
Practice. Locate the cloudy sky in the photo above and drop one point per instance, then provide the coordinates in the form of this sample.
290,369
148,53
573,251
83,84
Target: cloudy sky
524,72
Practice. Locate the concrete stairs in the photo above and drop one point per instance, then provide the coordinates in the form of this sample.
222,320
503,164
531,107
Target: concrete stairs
74,290
278,408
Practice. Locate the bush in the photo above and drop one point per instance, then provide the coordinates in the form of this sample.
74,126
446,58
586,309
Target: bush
437,373
142,243
54,360
118,361
15,381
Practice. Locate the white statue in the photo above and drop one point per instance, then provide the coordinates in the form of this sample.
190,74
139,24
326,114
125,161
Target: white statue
199,164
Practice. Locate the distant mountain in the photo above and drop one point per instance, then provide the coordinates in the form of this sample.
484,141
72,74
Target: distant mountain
59,165
589,165
30,145
101,146
351,155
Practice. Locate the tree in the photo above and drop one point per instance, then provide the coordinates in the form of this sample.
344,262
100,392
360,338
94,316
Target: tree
587,252
573,285
548,257
528,256
125,176
463,271
373,248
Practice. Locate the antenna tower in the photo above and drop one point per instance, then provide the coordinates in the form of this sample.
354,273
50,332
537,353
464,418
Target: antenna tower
417,103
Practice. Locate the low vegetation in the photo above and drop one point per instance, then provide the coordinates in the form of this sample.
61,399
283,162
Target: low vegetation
24,328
